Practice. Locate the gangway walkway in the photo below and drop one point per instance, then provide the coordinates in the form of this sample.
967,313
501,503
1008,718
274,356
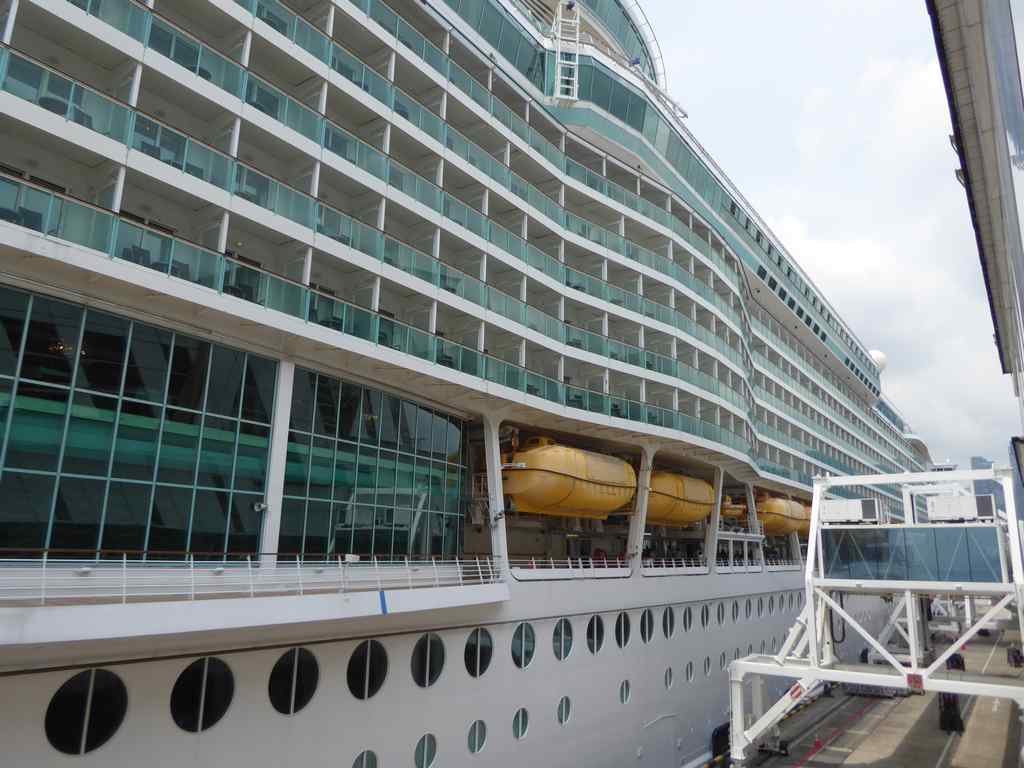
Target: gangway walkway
951,546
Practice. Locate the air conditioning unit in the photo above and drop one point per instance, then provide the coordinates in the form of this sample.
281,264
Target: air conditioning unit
849,511
945,509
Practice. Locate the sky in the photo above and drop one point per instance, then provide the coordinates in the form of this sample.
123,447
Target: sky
831,118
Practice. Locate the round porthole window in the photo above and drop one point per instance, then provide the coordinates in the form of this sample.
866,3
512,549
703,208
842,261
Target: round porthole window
735,611
624,691
367,669
707,666
668,622
520,723
689,671
86,711
687,619
564,710
479,649
477,736
427,660
366,759
647,625
722,659
720,614
202,694
622,629
523,644
426,751
293,681
561,639
595,633
705,616
668,678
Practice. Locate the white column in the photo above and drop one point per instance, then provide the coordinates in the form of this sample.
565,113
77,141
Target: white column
638,520
711,534
277,462
495,491
8,30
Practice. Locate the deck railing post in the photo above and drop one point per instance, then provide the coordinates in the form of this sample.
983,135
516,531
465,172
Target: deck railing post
341,575
252,585
408,571
192,576
458,567
376,571
433,563
124,578
298,571
42,588
479,574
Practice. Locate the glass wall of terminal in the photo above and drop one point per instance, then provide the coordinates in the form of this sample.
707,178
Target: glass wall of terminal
114,439
369,473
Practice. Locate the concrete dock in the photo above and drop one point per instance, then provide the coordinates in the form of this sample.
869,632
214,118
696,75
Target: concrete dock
903,732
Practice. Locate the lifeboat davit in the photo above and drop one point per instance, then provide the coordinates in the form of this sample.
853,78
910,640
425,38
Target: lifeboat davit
781,516
678,499
545,478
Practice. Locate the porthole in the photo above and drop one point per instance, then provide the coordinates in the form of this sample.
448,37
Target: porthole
771,605
735,611
293,681
561,639
367,669
792,600
720,614
479,649
366,759
762,646
426,751
520,723
722,660
647,625
564,710
760,607
427,660
86,711
668,678
687,619
202,694
749,608
705,616
689,671
477,736
668,622
523,644
799,600
736,654
750,649
707,666
622,629
774,645
595,633
624,691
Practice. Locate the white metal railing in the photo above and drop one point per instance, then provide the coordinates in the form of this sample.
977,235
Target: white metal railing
49,581
540,568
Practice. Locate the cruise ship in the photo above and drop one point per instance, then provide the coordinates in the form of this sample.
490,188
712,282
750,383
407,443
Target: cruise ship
393,384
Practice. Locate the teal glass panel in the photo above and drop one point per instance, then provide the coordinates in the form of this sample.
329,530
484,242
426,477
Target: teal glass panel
51,346
37,427
321,470
148,357
296,473
244,525
123,15
90,434
179,447
209,523
187,378
251,459
26,515
77,514
226,369
13,308
135,446
258,394
101,360
303,394
293,521
318,540
345,472
366,475
170,520
126,518
217,452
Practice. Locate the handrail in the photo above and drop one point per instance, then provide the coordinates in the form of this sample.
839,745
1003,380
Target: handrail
64,581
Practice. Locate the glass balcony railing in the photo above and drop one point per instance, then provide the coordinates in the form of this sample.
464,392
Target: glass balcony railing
286,110
194,56
124,15
181,152
291,25
65,98
265,192
82,224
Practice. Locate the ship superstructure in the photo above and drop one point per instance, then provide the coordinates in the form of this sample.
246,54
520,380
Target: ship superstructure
392,382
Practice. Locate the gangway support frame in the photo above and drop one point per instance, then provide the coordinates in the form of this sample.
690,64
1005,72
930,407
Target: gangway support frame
808,655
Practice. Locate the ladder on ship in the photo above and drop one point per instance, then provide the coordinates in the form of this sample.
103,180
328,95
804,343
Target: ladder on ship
949,544
566,32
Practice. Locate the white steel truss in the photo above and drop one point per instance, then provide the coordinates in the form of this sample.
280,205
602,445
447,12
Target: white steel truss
899,649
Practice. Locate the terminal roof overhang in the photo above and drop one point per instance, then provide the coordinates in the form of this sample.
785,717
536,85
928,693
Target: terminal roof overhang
959,40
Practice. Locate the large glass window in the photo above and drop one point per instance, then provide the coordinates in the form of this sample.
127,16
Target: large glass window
369,474
86,711
117,441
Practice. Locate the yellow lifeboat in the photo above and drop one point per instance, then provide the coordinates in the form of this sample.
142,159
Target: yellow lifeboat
780,516
804,528
678,499
733,510
550,479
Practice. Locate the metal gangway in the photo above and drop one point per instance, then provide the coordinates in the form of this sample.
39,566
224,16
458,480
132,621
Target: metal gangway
949,549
